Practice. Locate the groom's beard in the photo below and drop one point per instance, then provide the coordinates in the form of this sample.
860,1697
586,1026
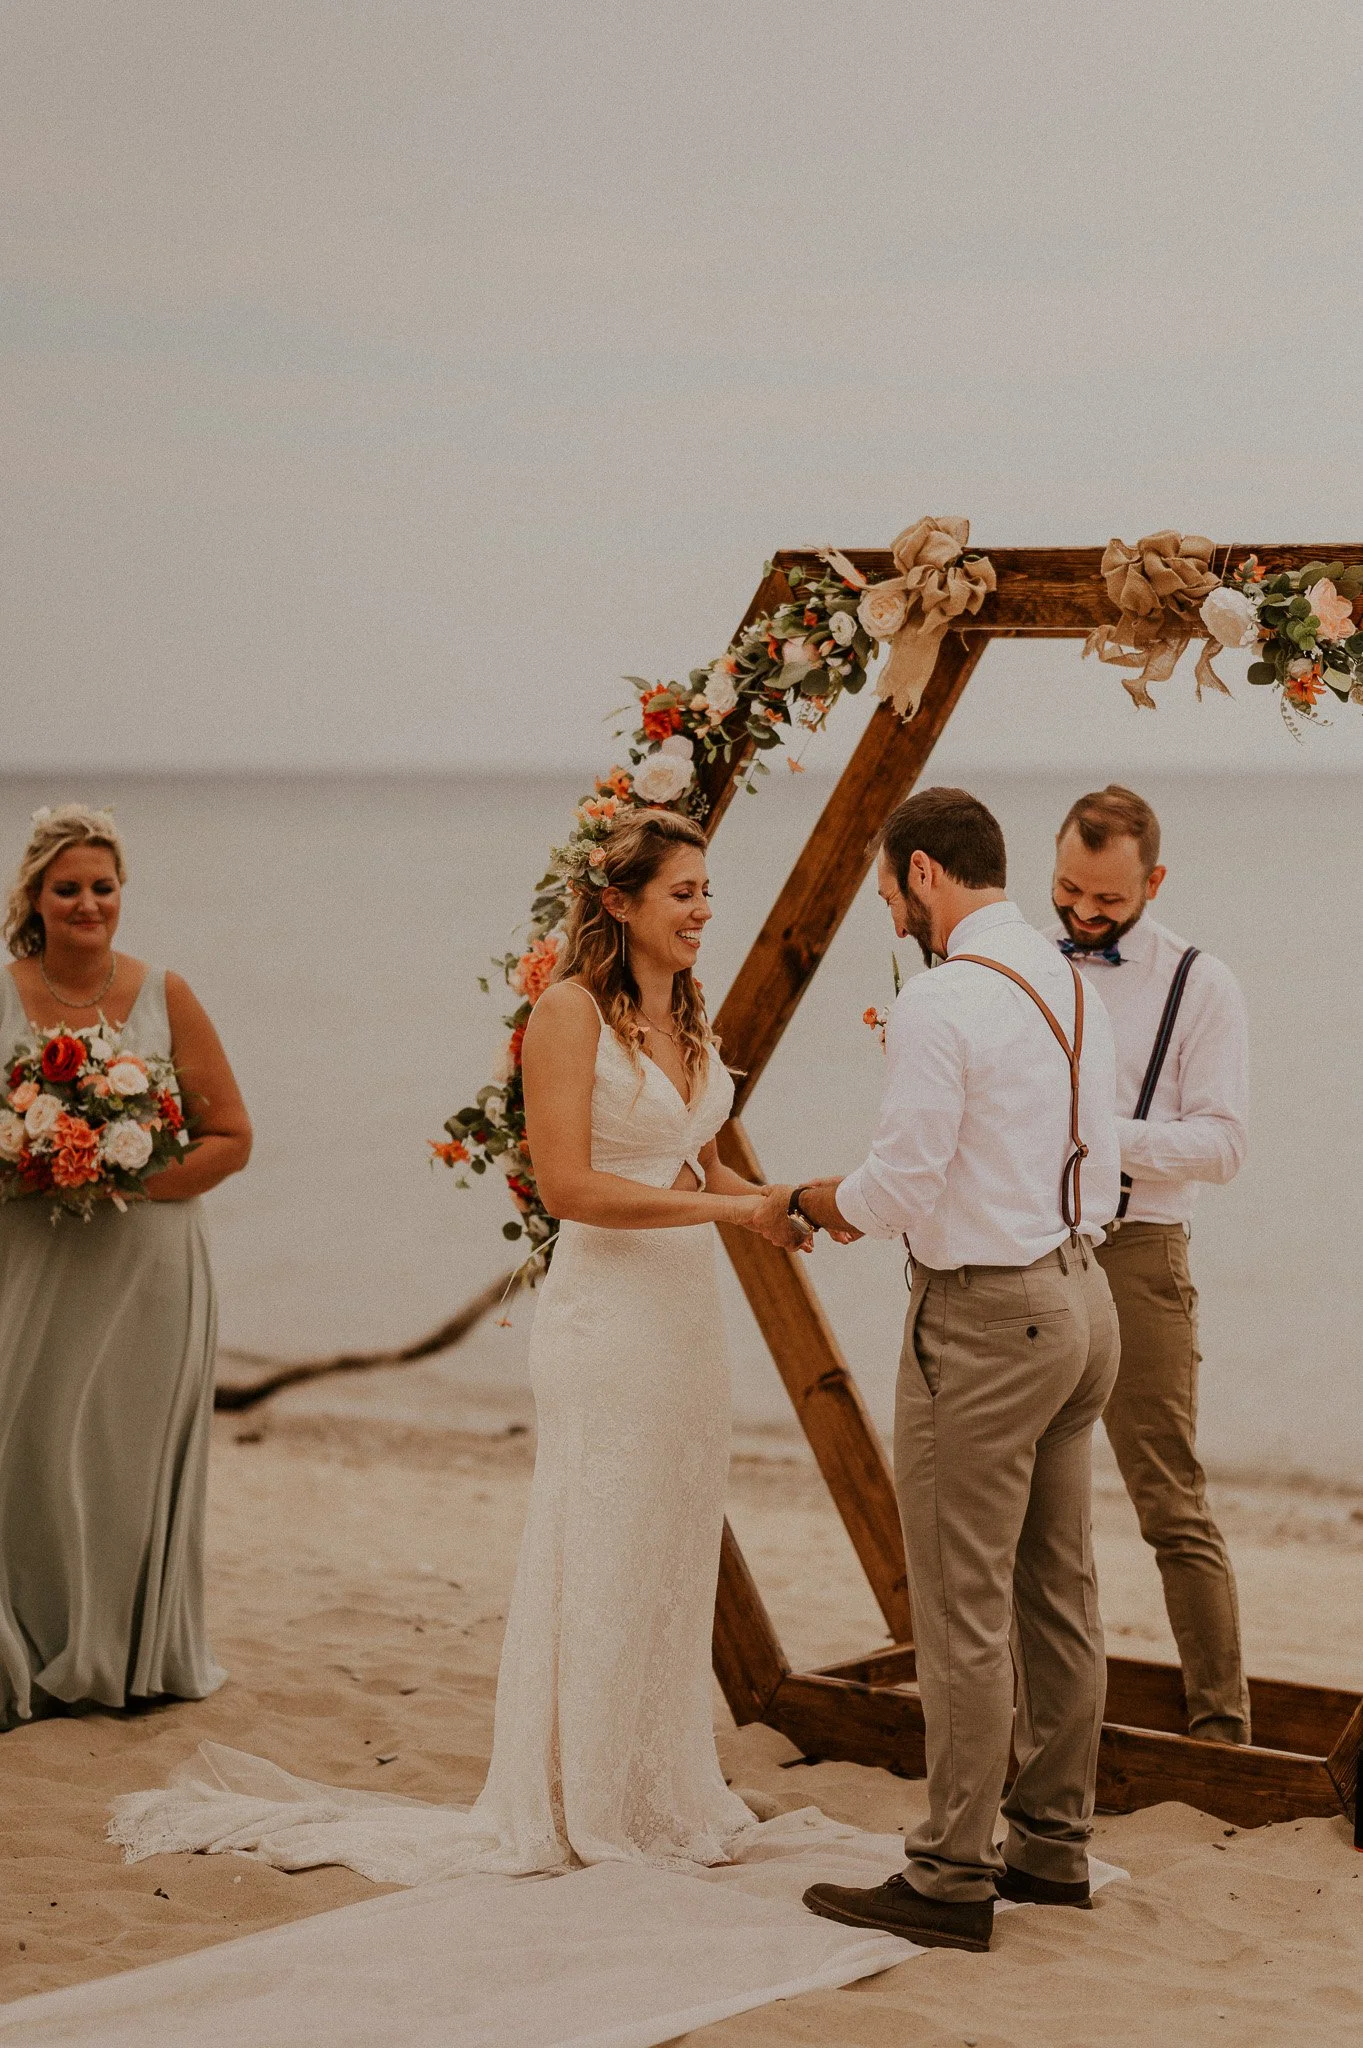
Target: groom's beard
918,918
1095,941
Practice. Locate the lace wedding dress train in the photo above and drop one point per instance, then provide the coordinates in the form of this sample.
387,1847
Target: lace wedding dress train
603,1747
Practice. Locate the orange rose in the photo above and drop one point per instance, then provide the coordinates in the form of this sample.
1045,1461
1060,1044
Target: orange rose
535,969
75,1152
661,722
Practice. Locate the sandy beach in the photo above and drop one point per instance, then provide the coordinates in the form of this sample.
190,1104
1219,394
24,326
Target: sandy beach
358,1580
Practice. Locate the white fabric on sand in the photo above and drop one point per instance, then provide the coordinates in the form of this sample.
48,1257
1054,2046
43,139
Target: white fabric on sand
615,1956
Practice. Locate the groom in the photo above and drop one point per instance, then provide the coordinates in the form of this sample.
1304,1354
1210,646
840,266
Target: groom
996,1160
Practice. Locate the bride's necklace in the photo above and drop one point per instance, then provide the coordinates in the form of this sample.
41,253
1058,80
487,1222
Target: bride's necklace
79,1002
671,1036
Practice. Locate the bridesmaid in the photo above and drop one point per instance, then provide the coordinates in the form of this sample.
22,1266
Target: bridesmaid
107,1329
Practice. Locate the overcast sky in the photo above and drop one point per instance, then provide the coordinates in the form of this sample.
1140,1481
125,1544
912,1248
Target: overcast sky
382,379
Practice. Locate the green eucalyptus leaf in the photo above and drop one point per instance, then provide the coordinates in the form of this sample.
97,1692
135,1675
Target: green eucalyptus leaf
1262,672
478,1165
511,1231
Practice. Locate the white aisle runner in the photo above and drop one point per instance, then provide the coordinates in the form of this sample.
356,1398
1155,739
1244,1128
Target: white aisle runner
615,1956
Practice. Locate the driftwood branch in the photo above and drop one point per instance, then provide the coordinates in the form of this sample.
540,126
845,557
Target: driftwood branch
278,1373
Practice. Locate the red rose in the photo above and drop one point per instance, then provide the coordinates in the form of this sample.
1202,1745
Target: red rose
63,1058
170,1110
516,1042
16,1073
35,1172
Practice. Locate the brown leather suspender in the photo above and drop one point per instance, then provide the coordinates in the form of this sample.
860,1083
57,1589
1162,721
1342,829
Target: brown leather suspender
1071,1199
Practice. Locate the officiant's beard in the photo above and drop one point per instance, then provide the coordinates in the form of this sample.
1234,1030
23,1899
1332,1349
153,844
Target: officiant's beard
1089,941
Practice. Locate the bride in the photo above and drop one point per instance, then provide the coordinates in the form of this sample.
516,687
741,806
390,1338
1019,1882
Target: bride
603,1748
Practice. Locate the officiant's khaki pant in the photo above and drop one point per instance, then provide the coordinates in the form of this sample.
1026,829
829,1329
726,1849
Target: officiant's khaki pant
1004,1372
1151,1422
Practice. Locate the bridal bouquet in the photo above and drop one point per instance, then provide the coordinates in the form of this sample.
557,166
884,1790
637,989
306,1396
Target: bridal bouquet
83,1121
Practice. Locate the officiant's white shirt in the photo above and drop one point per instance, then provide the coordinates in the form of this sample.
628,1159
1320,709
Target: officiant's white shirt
1198,1126
974,1123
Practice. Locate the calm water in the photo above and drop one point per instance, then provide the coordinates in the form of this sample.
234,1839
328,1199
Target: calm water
334,928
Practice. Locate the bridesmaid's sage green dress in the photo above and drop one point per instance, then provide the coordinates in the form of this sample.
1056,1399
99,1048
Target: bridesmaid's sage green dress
107,1333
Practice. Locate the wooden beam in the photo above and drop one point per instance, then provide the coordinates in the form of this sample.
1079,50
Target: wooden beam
837,1720
1060,590
825,1397
841,1720
1343,1765
887,762
748,1659
1304,1719
1248,1787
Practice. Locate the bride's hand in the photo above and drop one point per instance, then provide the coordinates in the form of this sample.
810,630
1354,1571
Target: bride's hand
773,1221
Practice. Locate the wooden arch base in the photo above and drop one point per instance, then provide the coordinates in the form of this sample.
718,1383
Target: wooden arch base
1304,1759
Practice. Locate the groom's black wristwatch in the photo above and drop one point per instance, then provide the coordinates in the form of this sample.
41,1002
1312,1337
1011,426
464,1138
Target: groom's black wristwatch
793,1208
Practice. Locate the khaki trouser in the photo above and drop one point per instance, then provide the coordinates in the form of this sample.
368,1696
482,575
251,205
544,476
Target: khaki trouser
1004,1372
1151,1421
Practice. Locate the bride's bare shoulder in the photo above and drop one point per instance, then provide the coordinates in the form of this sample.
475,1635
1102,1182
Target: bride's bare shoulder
567,1014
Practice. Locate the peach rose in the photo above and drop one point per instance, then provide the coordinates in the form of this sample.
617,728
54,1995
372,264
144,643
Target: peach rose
1334,612
24,1096
884,609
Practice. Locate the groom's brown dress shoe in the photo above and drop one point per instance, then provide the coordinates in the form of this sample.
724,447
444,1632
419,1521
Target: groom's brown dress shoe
896,1908
1023,1889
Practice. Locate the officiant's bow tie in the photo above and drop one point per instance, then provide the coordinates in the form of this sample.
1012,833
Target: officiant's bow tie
1108,953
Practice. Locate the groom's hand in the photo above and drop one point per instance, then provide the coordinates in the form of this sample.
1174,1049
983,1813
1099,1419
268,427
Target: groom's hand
819,1200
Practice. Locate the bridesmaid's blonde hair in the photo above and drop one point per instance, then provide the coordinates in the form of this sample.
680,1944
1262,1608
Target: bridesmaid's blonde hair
53,832
594,949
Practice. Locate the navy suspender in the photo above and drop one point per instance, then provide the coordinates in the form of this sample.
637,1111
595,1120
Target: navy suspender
1159,1052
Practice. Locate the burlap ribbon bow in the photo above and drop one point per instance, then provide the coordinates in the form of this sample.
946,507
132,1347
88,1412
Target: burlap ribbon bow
1158,587
914,609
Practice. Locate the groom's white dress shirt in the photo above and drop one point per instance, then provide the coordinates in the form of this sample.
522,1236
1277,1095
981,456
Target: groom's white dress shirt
974,1123
1197,1127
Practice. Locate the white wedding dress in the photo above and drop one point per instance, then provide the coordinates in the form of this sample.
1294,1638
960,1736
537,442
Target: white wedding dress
670,1904
603,1748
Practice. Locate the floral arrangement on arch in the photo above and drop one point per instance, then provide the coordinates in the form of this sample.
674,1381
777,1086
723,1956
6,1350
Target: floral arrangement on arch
1305,625
84,1121
785,670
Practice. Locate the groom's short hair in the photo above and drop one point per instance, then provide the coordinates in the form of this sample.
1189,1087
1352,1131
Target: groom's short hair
953,828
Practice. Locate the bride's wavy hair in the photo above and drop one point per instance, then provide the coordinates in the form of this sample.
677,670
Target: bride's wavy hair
595,950
53,832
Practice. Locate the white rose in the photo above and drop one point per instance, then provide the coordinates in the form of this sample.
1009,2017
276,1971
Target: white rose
883,611
42,1114
663,777
1230,617
126,1144
11,1134
721,693
843,627
128,1077
677,743
100,1048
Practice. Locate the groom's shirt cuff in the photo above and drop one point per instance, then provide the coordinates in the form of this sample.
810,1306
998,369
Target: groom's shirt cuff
850,1196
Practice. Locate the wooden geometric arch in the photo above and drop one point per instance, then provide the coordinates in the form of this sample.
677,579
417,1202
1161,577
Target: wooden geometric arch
1304,1759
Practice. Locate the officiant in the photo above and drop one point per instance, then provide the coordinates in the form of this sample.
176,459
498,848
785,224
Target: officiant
1178,1018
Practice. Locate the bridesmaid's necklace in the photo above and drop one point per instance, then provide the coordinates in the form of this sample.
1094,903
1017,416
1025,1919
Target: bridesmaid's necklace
671,1036
79,1002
